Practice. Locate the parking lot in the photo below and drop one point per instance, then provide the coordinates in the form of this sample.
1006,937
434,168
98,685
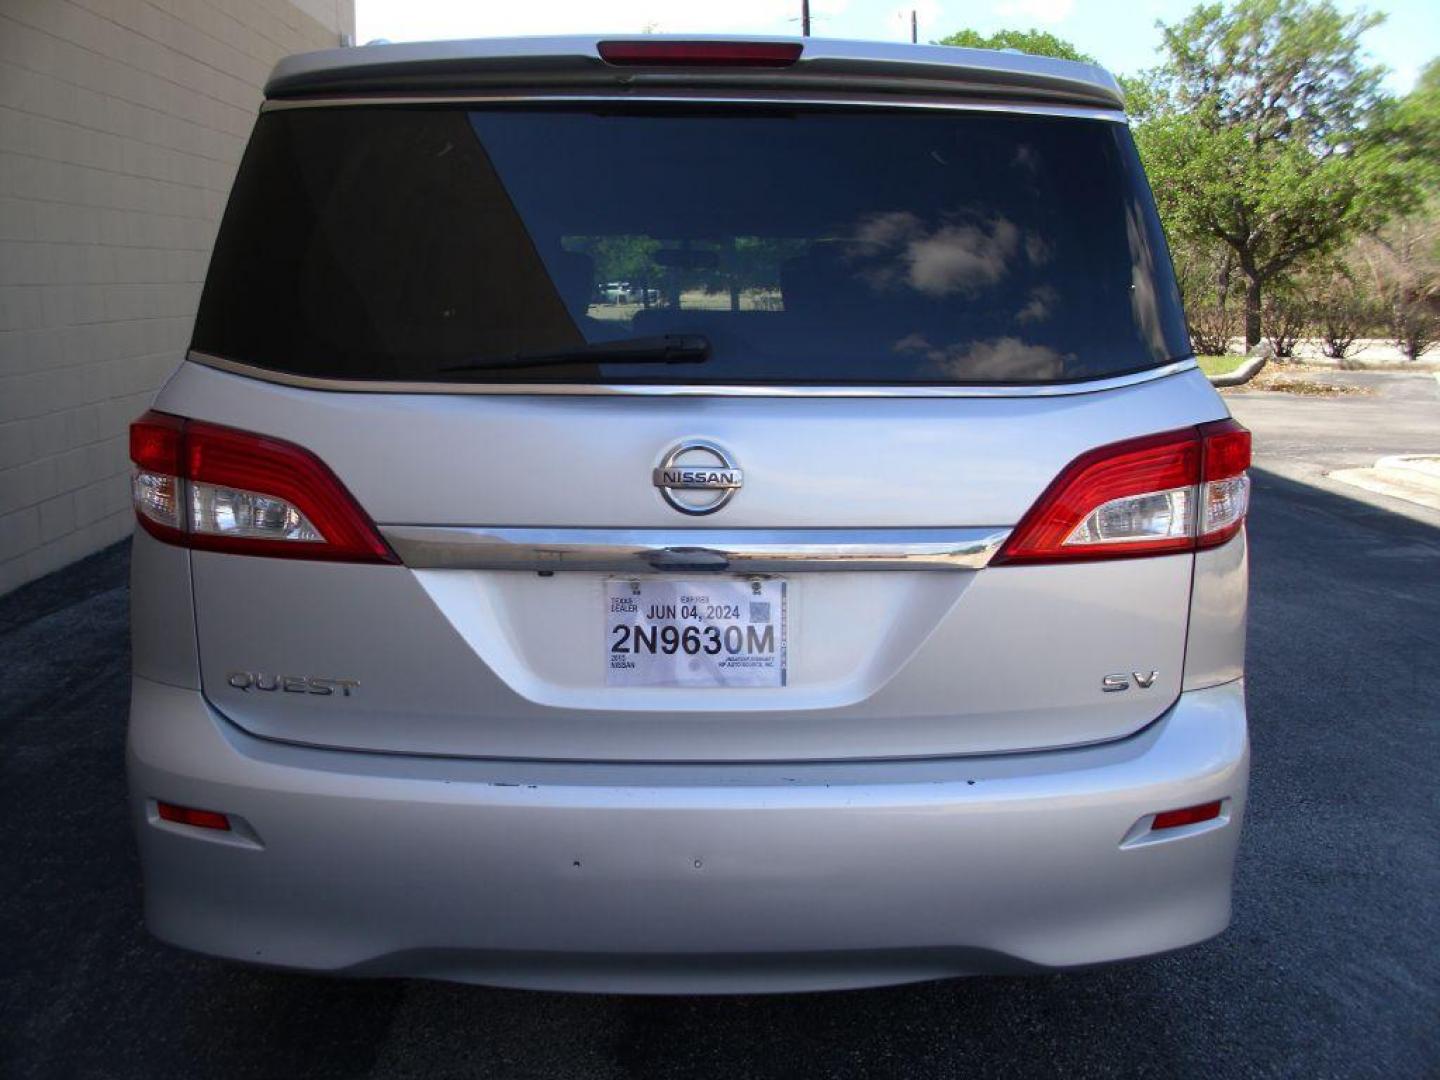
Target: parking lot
1330,968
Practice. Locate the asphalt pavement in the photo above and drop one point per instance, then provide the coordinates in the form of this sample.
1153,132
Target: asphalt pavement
1331,967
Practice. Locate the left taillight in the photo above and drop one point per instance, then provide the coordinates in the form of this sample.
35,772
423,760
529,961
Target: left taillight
217,488
1159,494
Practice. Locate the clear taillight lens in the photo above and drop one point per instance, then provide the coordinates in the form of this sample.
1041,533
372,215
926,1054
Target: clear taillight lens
219,489
1155,495
1157,515
157,498
223,511
1225,504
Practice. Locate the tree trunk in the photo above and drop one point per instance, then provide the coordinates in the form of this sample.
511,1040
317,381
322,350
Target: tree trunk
1252,311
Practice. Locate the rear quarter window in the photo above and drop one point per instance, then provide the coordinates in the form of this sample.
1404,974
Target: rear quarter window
830,247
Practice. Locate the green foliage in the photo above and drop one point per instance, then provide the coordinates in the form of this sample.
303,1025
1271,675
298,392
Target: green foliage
1272,203
1282,69
1414,127
1260,131
622,258
1143,97
1035,42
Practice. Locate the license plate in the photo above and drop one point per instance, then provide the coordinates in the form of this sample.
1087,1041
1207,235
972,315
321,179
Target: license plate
712,632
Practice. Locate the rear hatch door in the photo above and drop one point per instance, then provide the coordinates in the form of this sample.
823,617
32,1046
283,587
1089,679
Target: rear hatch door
890,329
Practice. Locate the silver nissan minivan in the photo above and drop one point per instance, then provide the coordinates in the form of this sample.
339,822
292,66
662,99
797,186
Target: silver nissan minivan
856,596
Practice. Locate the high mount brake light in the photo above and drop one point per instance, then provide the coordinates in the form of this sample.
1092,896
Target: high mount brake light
216,488
1159,494
770,54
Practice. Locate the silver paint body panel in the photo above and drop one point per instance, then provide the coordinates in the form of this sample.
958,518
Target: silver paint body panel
527,460
688,879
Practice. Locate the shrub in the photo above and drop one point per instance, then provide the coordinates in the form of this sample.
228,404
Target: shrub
1341,310
1404,260
1416,321
1284,316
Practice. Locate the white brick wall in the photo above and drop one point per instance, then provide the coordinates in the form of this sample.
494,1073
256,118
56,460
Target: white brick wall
121,123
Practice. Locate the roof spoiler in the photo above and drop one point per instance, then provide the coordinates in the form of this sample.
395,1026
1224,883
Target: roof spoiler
559,64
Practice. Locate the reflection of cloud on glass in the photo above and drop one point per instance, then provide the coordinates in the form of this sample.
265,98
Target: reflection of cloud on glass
1143,302
1036,250
1038,307
1026,158
937,262
888,228
1001,359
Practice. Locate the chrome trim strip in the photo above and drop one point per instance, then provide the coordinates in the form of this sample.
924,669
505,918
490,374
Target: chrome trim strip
363,386
652,551
700,97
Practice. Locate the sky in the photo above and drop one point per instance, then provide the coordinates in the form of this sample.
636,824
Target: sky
1121,34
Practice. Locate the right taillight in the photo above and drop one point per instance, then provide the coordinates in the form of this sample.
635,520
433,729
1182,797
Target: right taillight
216,488
1159,494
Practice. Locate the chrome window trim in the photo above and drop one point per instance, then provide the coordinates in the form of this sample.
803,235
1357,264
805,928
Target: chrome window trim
652,551
700,97
367,386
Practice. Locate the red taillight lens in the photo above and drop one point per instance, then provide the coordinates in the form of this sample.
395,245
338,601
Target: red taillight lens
1225,494
1190,815
186,815
155,442
219,489
1158,494
769,54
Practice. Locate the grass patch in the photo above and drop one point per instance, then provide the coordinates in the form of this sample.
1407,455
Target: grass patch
1219,365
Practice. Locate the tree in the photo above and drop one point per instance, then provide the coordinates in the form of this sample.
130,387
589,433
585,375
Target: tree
1035,42
1260,131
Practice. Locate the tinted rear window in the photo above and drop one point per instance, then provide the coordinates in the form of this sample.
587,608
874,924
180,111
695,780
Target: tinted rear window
802,247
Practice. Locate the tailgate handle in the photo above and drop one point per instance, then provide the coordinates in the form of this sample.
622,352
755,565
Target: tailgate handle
639,551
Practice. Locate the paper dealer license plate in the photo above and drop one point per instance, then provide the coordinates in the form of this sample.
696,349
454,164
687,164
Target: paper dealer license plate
711,632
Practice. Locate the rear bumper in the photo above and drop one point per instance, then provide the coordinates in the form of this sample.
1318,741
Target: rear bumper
685,878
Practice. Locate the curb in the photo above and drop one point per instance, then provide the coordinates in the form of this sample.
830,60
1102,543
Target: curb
1417,470
1242,374
1412,477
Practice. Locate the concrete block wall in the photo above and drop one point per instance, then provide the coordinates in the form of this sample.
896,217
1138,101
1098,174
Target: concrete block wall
121,123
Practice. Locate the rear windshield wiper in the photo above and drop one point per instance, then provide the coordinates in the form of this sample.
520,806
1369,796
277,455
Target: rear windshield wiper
665,349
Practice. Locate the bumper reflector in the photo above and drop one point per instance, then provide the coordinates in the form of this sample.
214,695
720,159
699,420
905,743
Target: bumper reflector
1190,815
200,819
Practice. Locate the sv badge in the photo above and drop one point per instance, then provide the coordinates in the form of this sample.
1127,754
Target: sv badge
1113,684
